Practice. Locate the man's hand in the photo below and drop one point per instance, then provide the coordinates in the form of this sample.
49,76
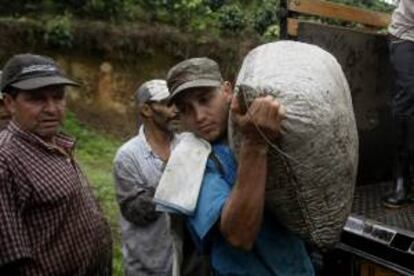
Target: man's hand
264,114
141,209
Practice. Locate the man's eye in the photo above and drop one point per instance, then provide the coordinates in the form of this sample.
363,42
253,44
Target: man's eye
58,97
183,109
203,100
35,99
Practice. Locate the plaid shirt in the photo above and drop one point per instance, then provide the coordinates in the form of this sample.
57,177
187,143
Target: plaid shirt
48,215
4,117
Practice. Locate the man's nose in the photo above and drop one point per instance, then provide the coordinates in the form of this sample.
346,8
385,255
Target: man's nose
199,113
51,105
173,111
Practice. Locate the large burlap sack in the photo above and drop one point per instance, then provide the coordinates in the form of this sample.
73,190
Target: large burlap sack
312,167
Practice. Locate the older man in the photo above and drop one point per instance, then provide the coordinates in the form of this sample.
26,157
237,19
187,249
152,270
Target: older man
4,116
138,165
50,223
230,222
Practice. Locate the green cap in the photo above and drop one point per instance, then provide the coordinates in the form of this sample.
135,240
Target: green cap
191,73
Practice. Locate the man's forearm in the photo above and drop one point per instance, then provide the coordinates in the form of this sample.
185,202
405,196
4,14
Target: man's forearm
139,210
242,214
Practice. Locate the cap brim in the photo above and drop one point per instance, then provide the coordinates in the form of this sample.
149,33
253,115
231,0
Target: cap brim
36,83
194,84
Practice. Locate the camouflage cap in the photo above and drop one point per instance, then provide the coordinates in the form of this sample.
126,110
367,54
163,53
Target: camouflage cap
194,72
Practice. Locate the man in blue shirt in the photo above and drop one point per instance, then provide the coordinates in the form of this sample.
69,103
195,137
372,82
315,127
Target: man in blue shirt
230,222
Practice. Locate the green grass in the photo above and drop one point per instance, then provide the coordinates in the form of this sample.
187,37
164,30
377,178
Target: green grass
95,152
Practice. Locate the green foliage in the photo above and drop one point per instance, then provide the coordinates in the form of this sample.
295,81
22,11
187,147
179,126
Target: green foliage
95,152
232,19
266,16
214,5
212,16
272,32
90,143
108,9
58,31
184,12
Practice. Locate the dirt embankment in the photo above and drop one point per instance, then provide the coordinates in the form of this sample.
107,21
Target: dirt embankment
111,61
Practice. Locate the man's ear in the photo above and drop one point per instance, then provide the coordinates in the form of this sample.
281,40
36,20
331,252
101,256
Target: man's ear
228,91
9,104
146,110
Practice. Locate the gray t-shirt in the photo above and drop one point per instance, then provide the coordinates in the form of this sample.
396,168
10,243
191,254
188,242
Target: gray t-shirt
146,240
402,22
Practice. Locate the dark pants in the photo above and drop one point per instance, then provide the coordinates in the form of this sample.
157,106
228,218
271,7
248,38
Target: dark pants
402,61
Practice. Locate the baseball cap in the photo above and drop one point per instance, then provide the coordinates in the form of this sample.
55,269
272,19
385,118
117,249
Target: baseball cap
194,72
153,90
29,72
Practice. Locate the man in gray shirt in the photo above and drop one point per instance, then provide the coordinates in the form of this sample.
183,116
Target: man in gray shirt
138,166
401,32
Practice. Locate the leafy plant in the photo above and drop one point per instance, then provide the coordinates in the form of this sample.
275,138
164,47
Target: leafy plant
214,5
232,19
108,9
266,16
272,32
58,31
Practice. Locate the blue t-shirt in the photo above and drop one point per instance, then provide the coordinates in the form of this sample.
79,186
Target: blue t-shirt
276,251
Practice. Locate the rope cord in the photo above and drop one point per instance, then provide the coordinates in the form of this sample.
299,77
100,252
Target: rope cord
274,148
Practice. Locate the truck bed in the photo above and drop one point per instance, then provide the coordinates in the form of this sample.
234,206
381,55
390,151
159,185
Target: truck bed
384,236
367,204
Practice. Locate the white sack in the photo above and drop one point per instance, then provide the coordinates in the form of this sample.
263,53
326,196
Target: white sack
310,186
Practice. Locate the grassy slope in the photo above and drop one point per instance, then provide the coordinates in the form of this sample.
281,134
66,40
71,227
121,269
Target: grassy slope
95,153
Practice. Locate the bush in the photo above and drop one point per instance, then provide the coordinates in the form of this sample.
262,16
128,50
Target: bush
58,32
272,32
266,16
214,5
231,19
106,9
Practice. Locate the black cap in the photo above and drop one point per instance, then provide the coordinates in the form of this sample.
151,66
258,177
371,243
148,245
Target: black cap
194,72
29,72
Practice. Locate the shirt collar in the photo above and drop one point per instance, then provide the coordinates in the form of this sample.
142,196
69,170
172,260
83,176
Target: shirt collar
147,148
62,140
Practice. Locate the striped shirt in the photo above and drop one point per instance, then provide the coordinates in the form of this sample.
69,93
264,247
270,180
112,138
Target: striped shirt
4,117
147,243
48,215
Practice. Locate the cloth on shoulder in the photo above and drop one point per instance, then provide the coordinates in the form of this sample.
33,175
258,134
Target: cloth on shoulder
179,186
